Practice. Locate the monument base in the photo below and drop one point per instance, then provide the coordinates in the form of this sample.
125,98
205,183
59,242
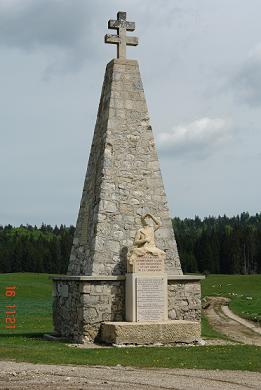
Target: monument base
82,303
165,332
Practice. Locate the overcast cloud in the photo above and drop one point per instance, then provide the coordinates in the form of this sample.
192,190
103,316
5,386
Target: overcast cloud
197,139
201,67
246,82
64,30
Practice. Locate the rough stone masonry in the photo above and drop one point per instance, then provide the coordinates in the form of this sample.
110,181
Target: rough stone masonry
123,182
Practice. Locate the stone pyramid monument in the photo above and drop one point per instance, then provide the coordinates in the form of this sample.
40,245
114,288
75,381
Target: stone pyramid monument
123,183
123,179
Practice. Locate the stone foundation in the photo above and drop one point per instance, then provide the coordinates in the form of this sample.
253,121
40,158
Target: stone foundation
142,333
82,303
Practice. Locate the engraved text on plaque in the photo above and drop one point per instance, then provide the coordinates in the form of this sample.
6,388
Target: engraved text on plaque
151,298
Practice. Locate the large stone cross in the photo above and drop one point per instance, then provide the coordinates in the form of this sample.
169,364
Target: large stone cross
121,39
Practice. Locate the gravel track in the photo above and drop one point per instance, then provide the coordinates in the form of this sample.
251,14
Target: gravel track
225,321
38,376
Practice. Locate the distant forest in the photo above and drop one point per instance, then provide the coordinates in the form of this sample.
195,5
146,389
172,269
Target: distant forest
220,245
212,245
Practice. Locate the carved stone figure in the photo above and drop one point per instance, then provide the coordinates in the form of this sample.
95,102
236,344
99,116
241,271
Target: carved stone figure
144,241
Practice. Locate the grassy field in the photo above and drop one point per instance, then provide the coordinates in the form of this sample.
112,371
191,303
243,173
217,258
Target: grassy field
243,290
33,301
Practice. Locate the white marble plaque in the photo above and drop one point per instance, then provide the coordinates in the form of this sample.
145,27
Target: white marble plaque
151,298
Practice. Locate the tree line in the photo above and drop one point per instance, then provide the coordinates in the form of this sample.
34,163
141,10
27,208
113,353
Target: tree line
32,249
209,245
220,245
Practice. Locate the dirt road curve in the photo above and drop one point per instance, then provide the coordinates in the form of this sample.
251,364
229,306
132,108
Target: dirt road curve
26,375
222,319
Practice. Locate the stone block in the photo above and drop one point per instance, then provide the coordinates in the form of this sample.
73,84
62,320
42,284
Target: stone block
169,332
85,288
109,207
63,290
90,315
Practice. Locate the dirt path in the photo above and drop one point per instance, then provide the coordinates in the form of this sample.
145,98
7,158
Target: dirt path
222,319
38,376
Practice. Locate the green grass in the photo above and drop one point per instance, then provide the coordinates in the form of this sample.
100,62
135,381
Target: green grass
208,332
34,350
33,301
243,290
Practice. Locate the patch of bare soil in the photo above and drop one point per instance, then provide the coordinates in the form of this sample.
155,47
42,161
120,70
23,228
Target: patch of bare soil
222,319
38,376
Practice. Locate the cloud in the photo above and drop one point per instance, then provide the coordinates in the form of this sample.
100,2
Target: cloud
196,139
64,29
30,24
246,83
71,31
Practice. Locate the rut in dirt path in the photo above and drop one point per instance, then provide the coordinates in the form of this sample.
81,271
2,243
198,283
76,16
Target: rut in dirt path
23,376
224,321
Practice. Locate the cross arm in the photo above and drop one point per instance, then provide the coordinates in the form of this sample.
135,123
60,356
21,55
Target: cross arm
132,41
115,24
111,38
115,39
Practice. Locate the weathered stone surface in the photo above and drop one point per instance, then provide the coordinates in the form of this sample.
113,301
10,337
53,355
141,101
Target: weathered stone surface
184,300
166,332
123,180
67,313
121,39
77,317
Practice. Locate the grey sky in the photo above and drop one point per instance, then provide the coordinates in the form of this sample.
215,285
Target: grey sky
201,66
